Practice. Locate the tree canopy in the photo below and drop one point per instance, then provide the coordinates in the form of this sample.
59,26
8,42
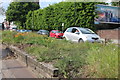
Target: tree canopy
116,3
70,13
2,11
82,1
17,11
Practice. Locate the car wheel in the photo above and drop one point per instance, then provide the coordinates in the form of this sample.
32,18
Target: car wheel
80,41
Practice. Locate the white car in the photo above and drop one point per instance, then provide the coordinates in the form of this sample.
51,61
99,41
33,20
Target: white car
12,29
79,34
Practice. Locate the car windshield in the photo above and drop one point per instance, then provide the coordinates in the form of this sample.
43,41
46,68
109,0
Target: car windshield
86,31
58,32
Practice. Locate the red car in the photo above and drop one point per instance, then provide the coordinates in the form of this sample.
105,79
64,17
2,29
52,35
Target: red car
56,34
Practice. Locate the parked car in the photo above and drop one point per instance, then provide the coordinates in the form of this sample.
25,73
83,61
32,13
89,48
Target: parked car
24,30
56,34
13,29
43,32
1,26
78,34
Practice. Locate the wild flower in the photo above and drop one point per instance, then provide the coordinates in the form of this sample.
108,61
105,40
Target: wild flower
20,34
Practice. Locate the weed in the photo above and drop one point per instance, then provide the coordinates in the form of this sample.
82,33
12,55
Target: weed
89,59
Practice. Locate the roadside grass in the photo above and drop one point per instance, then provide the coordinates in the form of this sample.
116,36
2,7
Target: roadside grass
7,37
103,61
91,60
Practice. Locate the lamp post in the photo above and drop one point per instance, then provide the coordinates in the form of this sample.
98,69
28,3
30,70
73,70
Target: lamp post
75,11
62,26
33,20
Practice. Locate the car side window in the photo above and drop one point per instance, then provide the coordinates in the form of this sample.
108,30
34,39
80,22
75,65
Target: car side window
69,30
74,30
53,31
77,31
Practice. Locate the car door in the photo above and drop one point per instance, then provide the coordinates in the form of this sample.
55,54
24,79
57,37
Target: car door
68,33
76,36
73,35
40,32
52,34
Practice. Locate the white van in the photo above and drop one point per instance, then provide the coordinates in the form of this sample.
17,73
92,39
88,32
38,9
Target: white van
79,34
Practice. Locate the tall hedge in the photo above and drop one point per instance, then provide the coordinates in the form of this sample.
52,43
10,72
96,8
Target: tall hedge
70,13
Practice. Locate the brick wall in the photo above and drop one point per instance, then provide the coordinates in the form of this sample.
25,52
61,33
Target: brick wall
109,34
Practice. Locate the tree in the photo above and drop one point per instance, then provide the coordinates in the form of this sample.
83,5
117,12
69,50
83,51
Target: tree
1,9
17,11
53,16
70,13
82,0
116,3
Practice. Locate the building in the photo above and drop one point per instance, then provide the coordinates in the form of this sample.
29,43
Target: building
6,24
108,17
108,22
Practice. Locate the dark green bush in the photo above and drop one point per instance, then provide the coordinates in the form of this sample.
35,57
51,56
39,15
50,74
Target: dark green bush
71,14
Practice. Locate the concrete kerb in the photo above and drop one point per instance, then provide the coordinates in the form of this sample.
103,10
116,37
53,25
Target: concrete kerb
46,70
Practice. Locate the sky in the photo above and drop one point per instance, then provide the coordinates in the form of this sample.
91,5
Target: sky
4,4
43,3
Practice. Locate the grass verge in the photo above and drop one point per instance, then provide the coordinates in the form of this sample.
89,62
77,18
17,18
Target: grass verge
91,60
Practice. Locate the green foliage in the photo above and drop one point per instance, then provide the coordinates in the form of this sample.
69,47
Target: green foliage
8,36
2,10
18,39
71,58
17,11
116,3
103,60
83,0
70,13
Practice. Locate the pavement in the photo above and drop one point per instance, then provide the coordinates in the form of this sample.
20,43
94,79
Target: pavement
13,68
116,41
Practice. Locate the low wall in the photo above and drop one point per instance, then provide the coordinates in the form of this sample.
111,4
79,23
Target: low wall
109,34
44,70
